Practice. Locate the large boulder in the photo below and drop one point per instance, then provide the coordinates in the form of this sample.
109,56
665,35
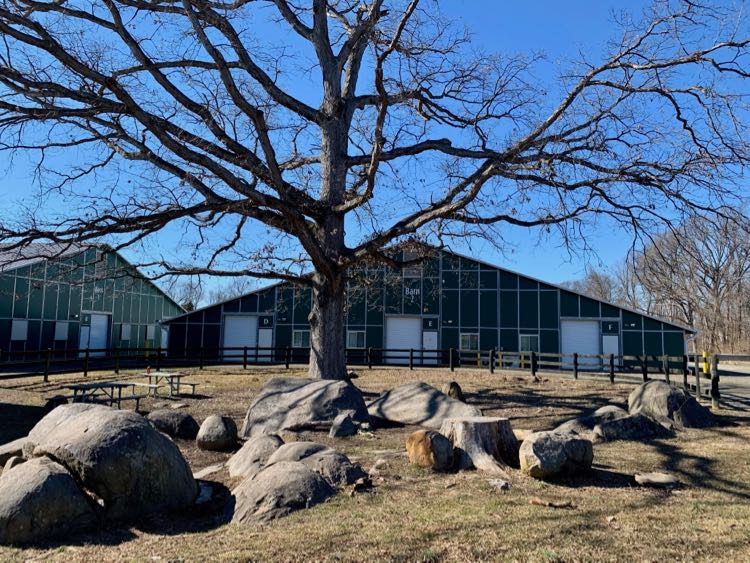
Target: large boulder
669,405
117,455
295,451
631,427
278,490
253,456
217,433
550,454
294,404
334,467
584,425
39,500
428,448
453,390
12,449
419,403
343,426
173,423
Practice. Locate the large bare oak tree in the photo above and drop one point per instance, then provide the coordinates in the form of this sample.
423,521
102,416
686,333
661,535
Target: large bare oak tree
308,135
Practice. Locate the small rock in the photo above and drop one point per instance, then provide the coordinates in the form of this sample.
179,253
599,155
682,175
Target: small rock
548,454
351,374
361,485
631,427
453,390
343,426
499,485
657,480
428,448
12,462
207,471
174,424
12,449
217,433
378,467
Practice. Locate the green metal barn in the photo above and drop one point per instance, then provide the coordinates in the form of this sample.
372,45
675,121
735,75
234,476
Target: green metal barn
71,297
445,301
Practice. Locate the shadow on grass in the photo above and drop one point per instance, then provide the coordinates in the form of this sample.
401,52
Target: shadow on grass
16,421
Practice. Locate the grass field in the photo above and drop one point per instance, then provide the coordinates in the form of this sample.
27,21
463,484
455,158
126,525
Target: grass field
414,515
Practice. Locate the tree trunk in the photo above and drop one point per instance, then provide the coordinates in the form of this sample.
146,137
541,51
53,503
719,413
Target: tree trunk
327,349
484,442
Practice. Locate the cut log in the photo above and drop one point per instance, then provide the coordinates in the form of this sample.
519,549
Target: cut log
486,443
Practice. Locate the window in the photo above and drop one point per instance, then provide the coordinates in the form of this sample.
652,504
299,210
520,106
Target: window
151,332
413,270
529,343
469,341
125,332
61,330
355,339
19,330
300,338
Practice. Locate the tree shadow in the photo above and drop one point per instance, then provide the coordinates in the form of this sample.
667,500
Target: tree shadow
16,421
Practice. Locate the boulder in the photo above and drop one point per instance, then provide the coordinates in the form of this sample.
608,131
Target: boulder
453,390
289,403
40,500
295,451
584,425
253,455
278,490
117,455
657,480
632,427
668,405
428,448
334,467
549,454
12,449
217,433
173,423
11,463
419,403
343,426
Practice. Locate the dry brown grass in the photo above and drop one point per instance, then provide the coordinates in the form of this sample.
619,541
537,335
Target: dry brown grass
414,515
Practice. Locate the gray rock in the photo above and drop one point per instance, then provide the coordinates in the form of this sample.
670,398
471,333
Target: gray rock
668,404
657,480
278,490
428,448
419,403
584,425
500,485
253,455
118,456
335,467
217,433
289,403
208,471
40,500
343,426
174,423
295,451
12,449
549,454
453,390
12,462
632,427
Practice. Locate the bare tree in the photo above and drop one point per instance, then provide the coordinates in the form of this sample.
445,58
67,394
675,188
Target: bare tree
597,284
234,288
188,292
364,124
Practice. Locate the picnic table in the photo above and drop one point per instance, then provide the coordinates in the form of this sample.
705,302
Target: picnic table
172,379
105,392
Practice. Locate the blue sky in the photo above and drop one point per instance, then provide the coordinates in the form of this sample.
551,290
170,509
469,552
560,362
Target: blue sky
561,30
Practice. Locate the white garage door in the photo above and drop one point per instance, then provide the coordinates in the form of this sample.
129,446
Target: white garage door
240,331
402,333
581,337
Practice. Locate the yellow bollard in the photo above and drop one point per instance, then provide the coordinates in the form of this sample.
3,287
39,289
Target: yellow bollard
523,360
479,360
706,367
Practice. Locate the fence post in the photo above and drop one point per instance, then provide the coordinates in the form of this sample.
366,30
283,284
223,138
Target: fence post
533,364
86,363
117,360
697,372
715,396
685,372
665,363
411,358
369,357
644,368
46,365
288,356
451,360
158,359
244,358
200,360
611,368
492,360
575,365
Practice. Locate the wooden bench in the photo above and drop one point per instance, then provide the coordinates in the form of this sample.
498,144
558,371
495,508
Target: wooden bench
192,387
151,387
136,398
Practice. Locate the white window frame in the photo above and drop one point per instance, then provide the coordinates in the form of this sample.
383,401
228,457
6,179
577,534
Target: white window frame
299,334
19,330
469,335
62,331
355,333
528,348
125,330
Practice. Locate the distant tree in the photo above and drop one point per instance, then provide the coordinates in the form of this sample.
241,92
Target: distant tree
380,119
187,292
596,284
235,288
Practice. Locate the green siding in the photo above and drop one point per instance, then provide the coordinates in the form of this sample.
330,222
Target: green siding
509,309
631,321
652,342
509,340
487,339
469,309
449,308
568,304
549,341
488,309
548,313
589,307
528,309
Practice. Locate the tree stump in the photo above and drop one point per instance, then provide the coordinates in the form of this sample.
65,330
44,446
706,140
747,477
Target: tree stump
486,443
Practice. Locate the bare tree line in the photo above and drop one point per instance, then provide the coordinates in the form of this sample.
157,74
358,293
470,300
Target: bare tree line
696,274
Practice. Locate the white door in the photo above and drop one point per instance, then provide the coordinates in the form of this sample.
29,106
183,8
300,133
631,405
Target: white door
240,331
581,337
611,345
402,333
95,335
429,342
164,338
265,340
